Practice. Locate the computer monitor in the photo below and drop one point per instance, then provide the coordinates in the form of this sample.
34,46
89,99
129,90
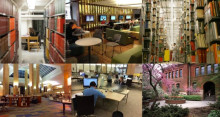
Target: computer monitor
82,73
128,17
102,18
113,18
121,17
90,18
126,76
87,81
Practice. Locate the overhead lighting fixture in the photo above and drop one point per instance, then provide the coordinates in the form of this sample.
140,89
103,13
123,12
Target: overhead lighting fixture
31,4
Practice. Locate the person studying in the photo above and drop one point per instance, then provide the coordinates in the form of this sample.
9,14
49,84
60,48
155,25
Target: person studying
93,91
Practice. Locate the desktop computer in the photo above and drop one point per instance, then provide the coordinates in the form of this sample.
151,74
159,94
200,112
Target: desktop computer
87,81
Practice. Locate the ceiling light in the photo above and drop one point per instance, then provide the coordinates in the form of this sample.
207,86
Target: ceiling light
31,4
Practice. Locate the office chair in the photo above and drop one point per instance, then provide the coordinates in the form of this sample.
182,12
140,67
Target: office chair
117,114
117,38
128,83
84,105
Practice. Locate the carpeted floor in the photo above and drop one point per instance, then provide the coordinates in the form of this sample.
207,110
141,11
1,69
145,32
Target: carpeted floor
45,109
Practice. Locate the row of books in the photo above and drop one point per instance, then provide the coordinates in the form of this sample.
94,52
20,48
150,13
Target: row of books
213,31
12,38
51,23
148,7
60,24
54,56
4,27
200,41
199,13
212,10
201,55
199,27
51,9
147,24
6,7
12,52
59,6
199,2
11,24
213,53
3,45
59,43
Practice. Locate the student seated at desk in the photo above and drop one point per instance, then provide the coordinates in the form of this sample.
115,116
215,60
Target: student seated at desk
121,81
93,91
71,27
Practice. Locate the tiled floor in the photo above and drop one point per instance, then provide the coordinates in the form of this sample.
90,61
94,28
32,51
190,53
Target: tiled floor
45,109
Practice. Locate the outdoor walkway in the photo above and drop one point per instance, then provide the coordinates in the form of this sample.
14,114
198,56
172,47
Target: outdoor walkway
190,104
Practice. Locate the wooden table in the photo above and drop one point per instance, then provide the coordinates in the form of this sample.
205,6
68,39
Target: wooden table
113,96
64,105
88,42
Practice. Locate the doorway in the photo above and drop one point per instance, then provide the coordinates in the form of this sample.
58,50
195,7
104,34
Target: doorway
209,91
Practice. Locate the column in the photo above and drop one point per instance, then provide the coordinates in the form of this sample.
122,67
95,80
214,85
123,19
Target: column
16,80
37,78
26,82
67,74
5,79
30,78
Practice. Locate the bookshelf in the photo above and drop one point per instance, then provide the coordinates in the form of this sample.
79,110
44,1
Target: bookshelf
55,43
154,42
23,101
8,32
212,30
146,29
192,52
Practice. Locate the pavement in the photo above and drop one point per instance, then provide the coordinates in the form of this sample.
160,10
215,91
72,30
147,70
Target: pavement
189,104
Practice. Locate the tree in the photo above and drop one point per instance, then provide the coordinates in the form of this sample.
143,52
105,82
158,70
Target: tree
153,76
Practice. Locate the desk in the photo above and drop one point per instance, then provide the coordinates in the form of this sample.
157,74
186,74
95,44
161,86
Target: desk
113,96
89,42
64,103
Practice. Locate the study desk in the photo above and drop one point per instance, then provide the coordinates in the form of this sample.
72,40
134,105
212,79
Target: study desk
112,96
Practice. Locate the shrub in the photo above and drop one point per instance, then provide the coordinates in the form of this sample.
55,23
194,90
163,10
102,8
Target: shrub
214,113
166,111
166,96
216,105
218,98
192,97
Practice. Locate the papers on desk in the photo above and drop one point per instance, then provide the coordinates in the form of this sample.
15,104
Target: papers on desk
79,94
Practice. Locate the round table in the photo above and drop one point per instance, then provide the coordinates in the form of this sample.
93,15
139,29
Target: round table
88,42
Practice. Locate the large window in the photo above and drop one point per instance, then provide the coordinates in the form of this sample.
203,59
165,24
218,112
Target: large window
209,69
215,68
178,85
177,73
167,75
194,85
197,71
173,74
202,70
181,73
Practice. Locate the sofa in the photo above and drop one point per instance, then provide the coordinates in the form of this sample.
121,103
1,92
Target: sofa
133,55
135,28
125,38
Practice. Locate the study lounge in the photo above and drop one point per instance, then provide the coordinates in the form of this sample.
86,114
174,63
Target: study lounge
35,90
106,89
103,31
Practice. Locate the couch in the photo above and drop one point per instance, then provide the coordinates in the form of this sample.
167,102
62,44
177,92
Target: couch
125,38
133,55
135,28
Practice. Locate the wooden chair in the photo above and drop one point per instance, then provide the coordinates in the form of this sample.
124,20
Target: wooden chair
33,42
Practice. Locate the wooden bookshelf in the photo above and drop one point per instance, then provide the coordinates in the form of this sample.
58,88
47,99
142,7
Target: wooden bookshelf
55,46
9,33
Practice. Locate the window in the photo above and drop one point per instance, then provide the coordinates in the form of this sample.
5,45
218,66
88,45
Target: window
202,70
209,69
215,68
197,72
178,85
169,74
177,73
173,74
181,73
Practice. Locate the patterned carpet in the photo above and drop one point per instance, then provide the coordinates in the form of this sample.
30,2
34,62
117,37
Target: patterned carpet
45,109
